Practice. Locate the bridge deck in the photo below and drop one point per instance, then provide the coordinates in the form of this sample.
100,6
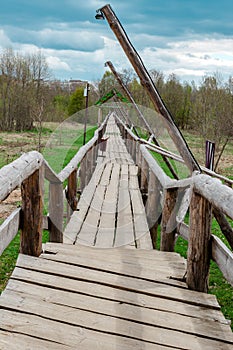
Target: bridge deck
110,212
75,296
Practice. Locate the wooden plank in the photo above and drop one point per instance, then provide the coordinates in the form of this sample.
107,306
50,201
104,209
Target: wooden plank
77,219
106,230
9,229
156,318
72,318
131,284
120,295
64,335
89,229
157,272
147,258
17,341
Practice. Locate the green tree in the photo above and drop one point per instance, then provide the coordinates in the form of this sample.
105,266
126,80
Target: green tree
77,101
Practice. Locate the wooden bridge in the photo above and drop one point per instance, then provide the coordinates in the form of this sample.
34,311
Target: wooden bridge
99,283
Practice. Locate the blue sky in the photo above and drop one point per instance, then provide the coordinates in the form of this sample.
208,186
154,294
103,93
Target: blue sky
188,38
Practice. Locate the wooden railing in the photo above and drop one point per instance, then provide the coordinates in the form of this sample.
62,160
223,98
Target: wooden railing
29,172
167,201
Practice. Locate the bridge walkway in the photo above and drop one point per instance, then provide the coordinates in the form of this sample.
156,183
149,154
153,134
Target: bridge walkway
92,292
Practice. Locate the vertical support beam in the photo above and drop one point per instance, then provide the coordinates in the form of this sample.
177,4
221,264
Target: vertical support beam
32,214
168,224
88,166
71,194
56,211
199,249
153,207
144,179
83,173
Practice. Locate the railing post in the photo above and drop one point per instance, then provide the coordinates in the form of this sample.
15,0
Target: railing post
153,207
56,212
83,173
199,248
168,224
71,194
32,213
144,179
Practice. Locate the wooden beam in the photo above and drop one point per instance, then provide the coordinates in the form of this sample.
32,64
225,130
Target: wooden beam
32,214
9,229
56,212
168,224
13,174
219,195
199,254
149,86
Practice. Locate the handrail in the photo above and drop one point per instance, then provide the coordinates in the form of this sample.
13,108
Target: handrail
200,191
29,171
13,174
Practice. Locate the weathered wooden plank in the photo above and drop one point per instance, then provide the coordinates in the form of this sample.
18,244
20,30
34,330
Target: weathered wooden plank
118,325
106,229
124,230
186,324
9,229
89,229
157,272
131,284
110,293
17,341
76,222
71,337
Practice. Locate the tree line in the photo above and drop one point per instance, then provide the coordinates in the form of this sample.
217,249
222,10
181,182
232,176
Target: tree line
27,97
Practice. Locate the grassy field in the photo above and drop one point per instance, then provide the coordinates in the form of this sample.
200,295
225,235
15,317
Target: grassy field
13,144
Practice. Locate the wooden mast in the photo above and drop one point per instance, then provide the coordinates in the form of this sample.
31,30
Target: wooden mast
149,86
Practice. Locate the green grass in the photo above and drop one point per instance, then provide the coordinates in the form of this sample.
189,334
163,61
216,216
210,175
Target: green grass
9,256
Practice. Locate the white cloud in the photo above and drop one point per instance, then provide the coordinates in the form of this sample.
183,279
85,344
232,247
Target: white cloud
4,40
55,63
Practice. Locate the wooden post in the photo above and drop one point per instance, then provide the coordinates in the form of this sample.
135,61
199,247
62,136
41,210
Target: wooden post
88,166
144,176
153,207
138,152
168,224
32,214
56,212
199,249
134,149
71,194
83,173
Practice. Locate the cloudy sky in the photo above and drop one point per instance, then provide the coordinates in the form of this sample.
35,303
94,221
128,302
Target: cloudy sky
190,38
